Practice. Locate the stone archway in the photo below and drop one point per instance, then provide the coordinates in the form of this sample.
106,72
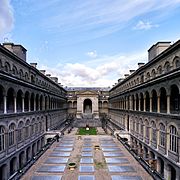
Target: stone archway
87,106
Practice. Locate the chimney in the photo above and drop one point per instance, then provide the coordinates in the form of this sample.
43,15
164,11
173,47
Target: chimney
157,49
120,80
43,71
131,71
18,50
48,75
55,79
33,65
140,65
126,75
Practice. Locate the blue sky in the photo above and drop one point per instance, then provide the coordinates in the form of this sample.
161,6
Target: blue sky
88,42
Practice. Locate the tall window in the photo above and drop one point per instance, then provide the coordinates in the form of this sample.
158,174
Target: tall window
173,139
137,126
154,134
2,138
11,134
147,129
142,132
27,129
162,135
20,131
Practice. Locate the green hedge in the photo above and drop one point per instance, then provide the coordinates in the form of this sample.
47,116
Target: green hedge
91,131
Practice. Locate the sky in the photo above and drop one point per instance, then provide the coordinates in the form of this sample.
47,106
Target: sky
88,43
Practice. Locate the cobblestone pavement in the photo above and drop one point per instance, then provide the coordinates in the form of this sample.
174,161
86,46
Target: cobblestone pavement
111,161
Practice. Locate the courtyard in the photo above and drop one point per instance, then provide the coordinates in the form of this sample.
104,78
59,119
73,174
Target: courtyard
109,161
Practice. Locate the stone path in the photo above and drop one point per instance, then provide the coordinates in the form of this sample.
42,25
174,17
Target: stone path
112,161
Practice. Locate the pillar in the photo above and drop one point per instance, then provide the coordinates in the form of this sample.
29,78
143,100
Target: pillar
131,104
22,103
144,103
158,104
150,104
34,104
135,104
140,104
5,104
168,104
15,106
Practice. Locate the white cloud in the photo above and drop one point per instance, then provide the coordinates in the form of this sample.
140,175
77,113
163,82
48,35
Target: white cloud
142,25
6,17
102,71
103,18
92,54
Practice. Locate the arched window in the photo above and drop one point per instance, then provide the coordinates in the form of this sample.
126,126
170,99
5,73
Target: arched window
142,127
147,129
33,127
159,70
21,74
173,139
14,70
167,67
154,134
148,76
20,131
153,73
11,134
175,100
27,133
137,126
7,67
162,134
2,138
176,62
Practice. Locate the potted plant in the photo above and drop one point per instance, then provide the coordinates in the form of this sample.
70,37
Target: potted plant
97,147
72,166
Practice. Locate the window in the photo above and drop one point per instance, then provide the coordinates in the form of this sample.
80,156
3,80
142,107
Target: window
173,139
20,131
167,67
147,129
11,134
2,138
154,134
27,129
142,133
162,135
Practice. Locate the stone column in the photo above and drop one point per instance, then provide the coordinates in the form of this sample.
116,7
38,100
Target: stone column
144,103
168,104
139,103
135,103
5,104
150,104
15,105
158,104
130,104
22,103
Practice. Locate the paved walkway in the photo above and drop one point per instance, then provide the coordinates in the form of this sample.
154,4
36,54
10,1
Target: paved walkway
112,161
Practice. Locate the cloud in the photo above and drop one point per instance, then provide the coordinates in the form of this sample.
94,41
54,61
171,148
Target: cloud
103,71
103,18
92,54
6,17
141,25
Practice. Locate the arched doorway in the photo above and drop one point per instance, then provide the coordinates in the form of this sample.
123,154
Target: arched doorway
87,106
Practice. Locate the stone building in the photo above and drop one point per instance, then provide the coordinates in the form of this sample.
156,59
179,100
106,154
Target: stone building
87,104
146,104
31,103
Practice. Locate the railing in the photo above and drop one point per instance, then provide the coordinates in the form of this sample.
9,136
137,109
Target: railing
156,175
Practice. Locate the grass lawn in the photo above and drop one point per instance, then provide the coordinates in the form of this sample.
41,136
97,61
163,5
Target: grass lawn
83,131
